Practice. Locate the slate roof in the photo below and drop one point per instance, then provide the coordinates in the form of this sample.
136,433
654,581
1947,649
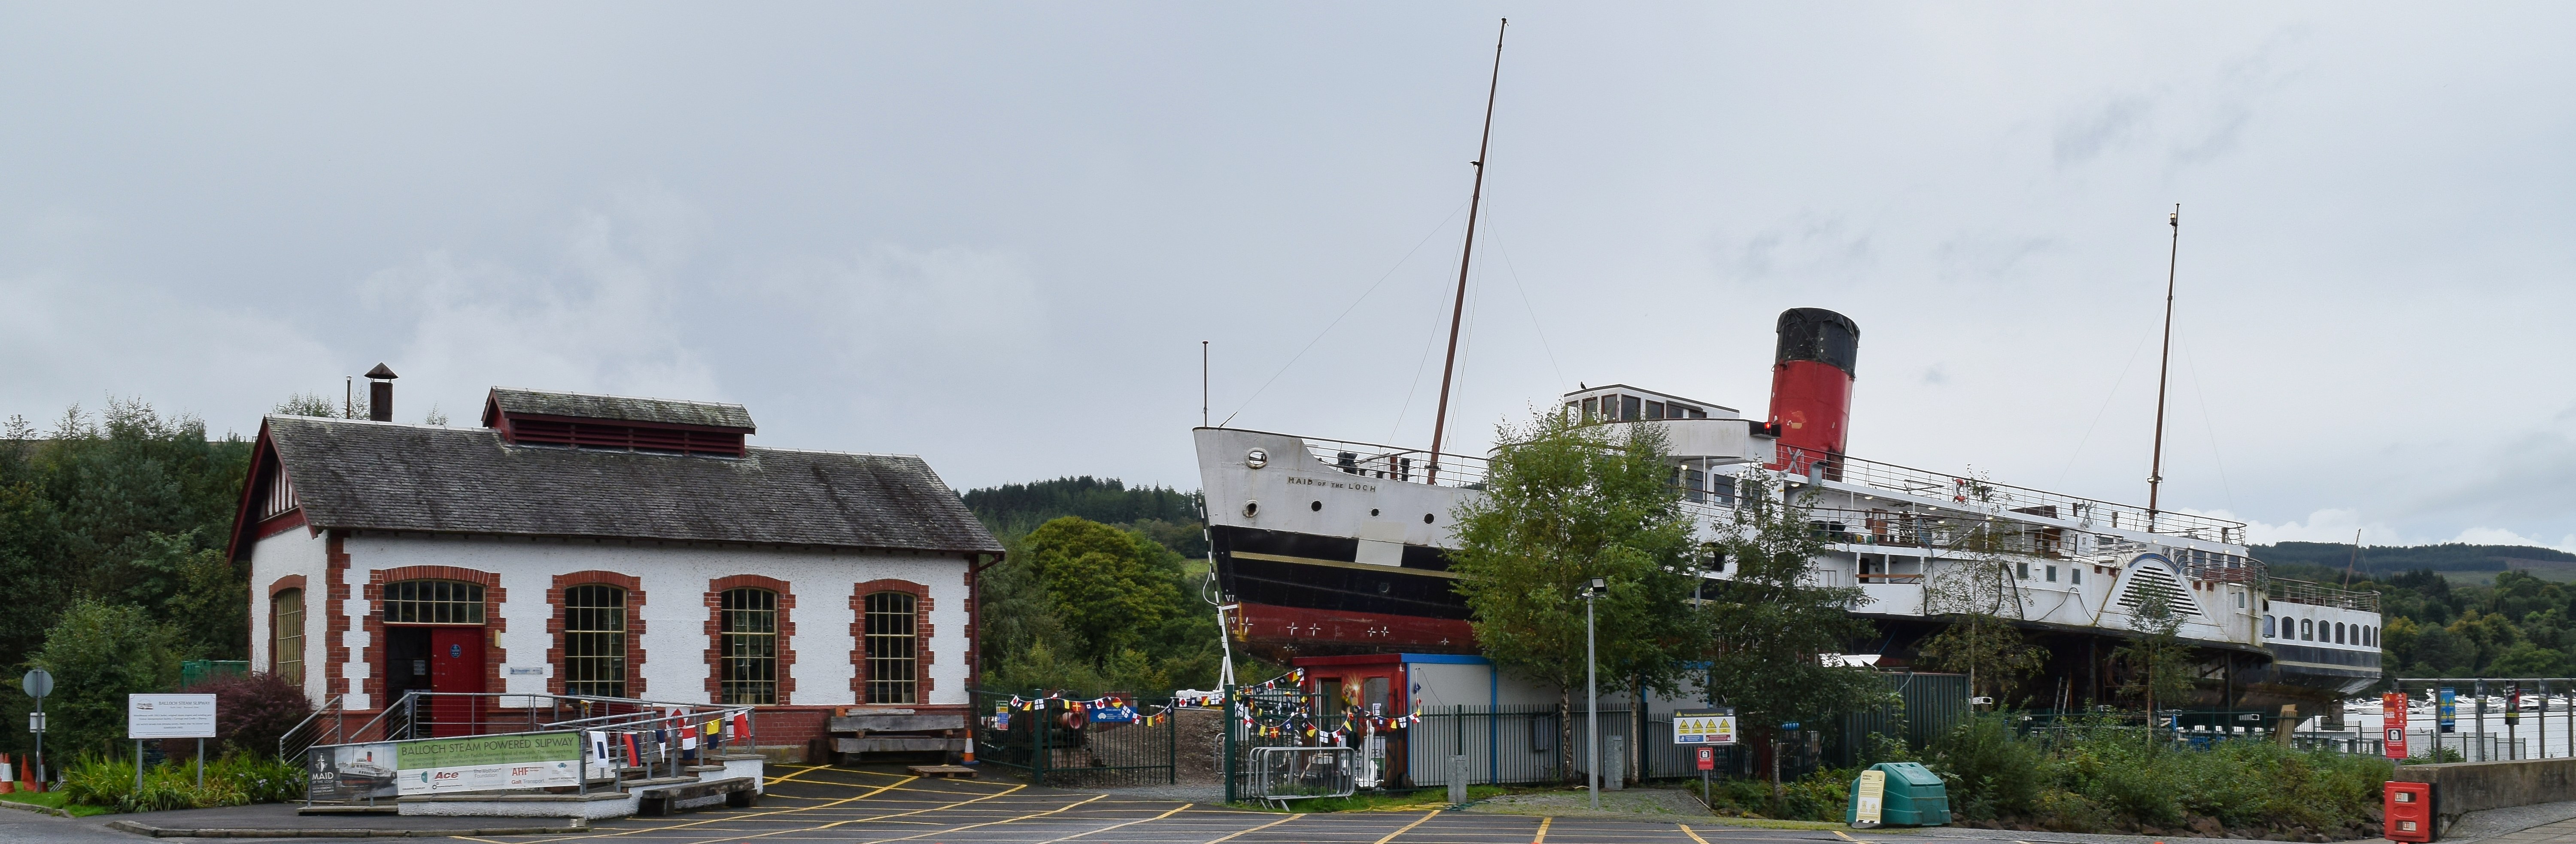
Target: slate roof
382,476
668,411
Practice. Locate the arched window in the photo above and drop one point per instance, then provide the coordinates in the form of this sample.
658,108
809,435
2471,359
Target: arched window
433,602
286,635
2307,630
2267,628
594,640
893,648
748,633
2339,633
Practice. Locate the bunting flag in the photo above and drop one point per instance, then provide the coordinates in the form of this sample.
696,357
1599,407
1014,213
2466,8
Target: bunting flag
598,745
688,737
742,725
634,755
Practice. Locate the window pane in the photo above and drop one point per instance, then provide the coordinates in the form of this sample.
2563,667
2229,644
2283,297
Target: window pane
892,648
595,640
747,672
286,641
433,602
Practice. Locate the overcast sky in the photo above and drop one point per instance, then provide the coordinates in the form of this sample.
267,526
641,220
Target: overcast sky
995,235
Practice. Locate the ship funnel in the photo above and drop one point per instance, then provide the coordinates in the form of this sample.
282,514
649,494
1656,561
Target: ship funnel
1811,384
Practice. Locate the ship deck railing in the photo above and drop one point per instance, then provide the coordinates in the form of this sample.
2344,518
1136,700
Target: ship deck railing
2321,595
1969,494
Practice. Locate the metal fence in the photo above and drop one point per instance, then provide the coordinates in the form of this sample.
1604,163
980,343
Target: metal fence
1056,740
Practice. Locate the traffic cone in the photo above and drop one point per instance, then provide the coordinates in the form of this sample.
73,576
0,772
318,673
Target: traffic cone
970,750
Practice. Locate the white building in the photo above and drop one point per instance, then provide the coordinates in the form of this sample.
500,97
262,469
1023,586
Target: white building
607,546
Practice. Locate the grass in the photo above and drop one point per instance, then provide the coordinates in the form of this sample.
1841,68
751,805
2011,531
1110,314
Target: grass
54,800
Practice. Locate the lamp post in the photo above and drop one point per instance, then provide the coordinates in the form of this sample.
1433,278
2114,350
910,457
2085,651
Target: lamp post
1592,693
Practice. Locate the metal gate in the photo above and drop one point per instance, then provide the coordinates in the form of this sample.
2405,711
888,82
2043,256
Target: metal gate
1055,739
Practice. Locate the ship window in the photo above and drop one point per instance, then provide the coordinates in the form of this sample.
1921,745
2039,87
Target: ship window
2052,574
1654,410
2307,630
1697,413
1628,407
2339,633
1694,482
2075,575
2267,628
1591,409
1722,488
2023,569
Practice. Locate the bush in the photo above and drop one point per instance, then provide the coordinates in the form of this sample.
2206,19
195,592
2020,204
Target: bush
253,710
99,653
1991,773
236,780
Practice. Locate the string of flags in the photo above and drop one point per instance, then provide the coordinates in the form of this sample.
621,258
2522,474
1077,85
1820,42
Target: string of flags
632,745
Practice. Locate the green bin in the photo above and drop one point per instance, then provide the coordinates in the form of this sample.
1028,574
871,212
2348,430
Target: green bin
1911,796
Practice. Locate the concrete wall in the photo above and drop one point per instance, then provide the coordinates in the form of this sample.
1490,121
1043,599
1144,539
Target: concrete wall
2463,787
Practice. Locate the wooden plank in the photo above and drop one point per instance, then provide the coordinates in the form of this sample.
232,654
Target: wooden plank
896,744
897,723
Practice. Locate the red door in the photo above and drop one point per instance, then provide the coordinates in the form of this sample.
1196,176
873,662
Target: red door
455,665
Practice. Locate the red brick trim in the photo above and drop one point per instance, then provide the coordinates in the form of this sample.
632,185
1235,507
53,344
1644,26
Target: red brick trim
974,625
296,582
923,653
786,632
493,624
634,587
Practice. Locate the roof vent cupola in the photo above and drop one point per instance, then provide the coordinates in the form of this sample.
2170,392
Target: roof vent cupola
380,393
617,423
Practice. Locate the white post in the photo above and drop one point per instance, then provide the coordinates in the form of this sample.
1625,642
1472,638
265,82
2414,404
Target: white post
1591,694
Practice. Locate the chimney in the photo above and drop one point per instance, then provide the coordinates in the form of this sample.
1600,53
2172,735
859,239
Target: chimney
1811,385
380,393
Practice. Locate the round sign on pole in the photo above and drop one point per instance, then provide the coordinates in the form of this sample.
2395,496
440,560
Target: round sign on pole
38,682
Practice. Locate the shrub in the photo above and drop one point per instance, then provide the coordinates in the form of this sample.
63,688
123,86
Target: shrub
253,710
235,780
99,653
1991,773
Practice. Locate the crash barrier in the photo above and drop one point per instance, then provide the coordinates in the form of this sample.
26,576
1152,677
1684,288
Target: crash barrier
2459,788
1281,774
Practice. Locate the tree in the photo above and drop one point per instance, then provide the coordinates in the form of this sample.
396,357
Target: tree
1565,503
98,654
1978,590
1773,625
2159,660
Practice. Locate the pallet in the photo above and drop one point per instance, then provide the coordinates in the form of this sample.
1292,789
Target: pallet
942,771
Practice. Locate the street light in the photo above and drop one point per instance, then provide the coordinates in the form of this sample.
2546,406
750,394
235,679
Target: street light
1592,690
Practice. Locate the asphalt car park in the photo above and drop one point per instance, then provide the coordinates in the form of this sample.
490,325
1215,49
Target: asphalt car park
888,805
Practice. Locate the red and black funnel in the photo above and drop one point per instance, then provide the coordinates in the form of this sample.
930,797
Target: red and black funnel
1811,385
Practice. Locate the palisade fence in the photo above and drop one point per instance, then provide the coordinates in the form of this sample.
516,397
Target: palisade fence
1056,744
1518,744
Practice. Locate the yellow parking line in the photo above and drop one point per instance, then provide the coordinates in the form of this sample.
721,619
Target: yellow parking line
1115,826
876,792
1542,830
1408,827
949,830
1686,830
1241,833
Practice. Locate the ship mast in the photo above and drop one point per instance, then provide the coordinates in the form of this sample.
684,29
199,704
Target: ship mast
2156,468
1458,309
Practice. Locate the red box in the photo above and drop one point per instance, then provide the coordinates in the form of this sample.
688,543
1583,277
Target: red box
2409,811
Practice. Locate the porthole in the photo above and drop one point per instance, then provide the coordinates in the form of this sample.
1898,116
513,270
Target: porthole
1426,518
1317,506
1256,459
1251,507
1372,511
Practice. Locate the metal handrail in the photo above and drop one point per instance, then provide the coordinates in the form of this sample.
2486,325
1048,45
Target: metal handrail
336,707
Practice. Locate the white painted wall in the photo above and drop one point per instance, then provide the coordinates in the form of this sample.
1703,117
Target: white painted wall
294,552
674,580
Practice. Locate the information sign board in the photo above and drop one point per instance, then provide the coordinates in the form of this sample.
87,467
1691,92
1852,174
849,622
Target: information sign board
2446,709
1704,726
486,763
1871,796
169,716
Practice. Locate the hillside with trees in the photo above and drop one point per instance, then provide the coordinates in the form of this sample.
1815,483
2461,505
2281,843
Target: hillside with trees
1100,589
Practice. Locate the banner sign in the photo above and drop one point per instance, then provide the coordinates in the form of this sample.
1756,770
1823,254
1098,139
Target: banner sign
1121,714
2446,709
1871,794
485,763
1704,726
2392,723
169,716
350,772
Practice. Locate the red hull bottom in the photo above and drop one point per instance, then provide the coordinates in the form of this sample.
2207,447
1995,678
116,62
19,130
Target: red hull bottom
1276,625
